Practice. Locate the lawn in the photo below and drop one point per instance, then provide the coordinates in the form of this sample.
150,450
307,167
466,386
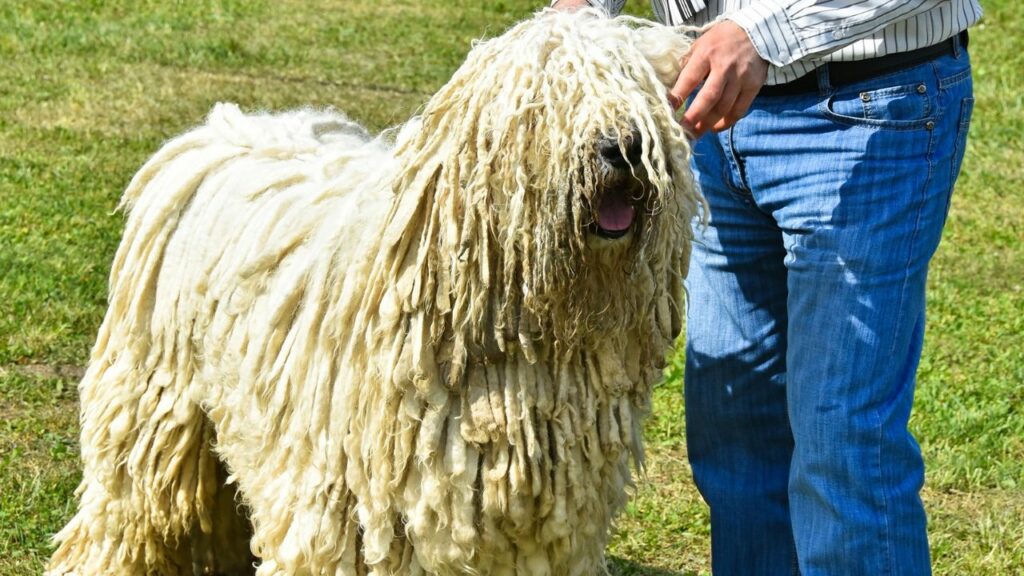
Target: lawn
89,89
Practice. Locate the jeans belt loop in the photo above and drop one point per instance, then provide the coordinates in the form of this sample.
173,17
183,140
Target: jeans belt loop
821,74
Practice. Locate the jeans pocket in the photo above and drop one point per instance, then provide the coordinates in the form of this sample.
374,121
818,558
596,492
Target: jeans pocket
906,106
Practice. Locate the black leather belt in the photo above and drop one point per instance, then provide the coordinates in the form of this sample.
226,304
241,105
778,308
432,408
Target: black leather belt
842,73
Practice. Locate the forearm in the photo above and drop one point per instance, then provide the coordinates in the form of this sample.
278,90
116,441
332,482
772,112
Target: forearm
784,31
613,7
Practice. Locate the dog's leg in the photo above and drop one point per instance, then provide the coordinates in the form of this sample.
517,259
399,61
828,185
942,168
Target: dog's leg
304,516
308,534
222,547
146,481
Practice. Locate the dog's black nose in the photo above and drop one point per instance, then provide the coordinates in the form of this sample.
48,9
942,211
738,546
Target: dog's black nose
612,153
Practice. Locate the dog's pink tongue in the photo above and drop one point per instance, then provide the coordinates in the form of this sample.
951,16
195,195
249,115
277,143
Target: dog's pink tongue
615,214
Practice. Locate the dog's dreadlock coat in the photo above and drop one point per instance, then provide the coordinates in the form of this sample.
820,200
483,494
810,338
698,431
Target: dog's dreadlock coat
327,354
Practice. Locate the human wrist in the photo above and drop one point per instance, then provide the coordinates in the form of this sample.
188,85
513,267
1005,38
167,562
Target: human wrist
609,7
571,5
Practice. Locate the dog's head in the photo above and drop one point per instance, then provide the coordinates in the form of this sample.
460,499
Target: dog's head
550,181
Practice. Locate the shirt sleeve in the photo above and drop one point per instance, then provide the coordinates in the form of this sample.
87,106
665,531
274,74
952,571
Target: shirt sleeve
784,31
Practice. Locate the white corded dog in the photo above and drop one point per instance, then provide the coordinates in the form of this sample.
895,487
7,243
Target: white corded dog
330,354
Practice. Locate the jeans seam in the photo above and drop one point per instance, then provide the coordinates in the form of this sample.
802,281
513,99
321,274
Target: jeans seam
738,164
733,163
959,148
887,536
917,227
901,311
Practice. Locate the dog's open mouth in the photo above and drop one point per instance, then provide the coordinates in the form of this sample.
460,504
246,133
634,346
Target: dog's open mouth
616,213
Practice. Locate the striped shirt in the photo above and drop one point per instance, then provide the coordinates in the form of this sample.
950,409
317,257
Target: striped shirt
797,36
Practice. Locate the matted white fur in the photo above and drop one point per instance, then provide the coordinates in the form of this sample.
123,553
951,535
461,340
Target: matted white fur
356,357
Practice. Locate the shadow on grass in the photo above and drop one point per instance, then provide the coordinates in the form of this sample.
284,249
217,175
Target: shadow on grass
622,567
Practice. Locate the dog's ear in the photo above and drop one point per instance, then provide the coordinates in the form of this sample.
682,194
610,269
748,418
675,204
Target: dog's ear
665,48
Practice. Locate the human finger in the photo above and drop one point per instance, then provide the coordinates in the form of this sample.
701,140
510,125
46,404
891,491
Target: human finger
674,100
706,100
695,69
724,106
697,130
739,109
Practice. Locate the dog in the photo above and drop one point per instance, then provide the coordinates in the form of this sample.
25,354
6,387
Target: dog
425,352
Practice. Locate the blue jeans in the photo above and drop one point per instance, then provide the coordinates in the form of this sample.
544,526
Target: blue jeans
806,320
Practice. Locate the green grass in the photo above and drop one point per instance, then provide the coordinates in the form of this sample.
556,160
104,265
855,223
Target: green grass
89,89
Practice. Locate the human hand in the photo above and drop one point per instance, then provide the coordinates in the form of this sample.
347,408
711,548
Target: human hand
570,5
732,71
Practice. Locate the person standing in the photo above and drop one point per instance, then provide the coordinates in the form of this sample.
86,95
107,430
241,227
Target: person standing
828,136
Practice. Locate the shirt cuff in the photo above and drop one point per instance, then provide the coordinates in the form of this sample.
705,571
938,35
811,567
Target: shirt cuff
771,32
